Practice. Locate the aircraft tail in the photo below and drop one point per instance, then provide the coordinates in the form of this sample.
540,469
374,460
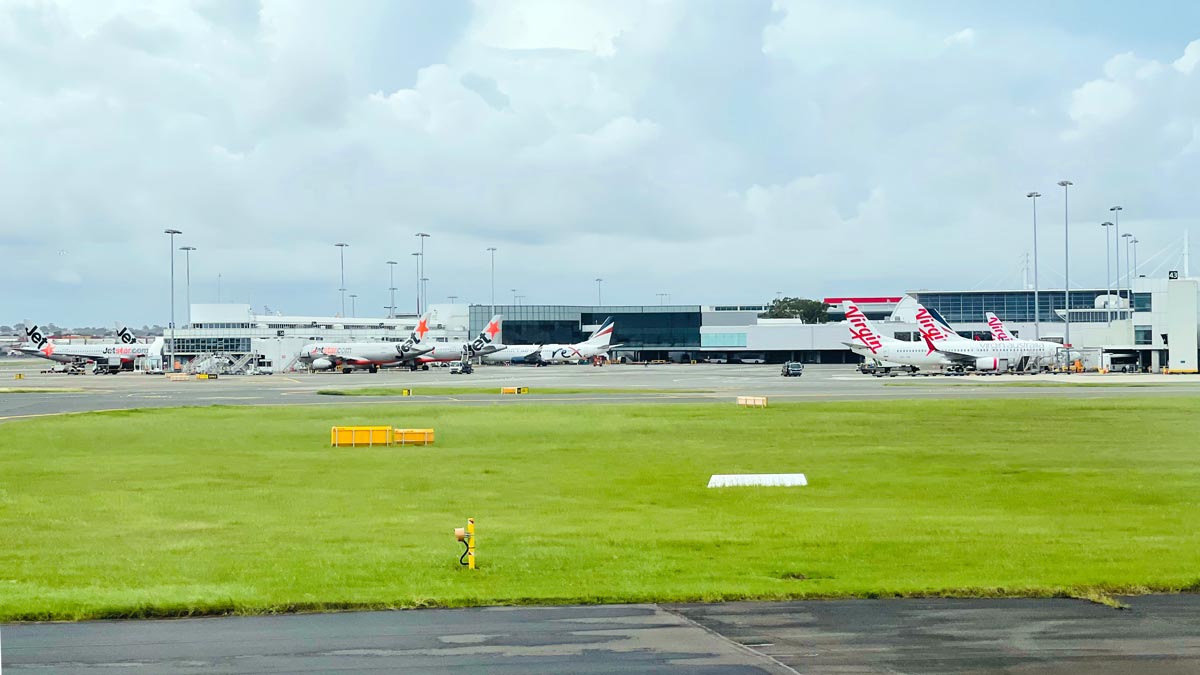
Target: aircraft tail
488,340
36,335
125,336
411,346
602,335
999,331
861,330
936,331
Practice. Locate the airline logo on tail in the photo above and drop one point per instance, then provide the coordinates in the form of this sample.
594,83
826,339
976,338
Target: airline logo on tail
861,330
43,344
929,327
604,332
997,326
125,336
409,346
486,336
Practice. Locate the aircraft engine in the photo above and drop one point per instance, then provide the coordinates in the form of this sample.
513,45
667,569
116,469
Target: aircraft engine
322,364
987,363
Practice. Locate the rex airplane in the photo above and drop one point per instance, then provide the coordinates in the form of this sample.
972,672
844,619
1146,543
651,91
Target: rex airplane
369,356
870,344
978,355
117,356
483,344
597,344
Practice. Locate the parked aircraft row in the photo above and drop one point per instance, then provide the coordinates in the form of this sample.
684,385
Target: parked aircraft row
417,352
943,349
118,356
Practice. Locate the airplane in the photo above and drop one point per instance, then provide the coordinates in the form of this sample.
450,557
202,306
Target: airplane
870,344
976,355
483,344
999,332
369,356
597,344
113,357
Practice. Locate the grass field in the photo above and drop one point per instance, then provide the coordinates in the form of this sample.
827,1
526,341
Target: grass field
173,512
451,391
1036,383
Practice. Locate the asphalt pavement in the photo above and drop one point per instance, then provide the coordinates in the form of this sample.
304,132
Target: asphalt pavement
1157,634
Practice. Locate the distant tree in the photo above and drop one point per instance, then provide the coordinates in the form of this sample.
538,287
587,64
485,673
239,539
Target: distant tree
7,329
811,311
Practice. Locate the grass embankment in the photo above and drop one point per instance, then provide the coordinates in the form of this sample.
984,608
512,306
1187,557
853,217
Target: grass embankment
981,382
214,510
451,391
39,390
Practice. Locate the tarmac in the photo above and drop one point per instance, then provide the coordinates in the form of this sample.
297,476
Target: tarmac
665,383
1157,634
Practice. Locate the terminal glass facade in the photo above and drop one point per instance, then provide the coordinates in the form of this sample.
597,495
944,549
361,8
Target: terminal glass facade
1017,306
637,326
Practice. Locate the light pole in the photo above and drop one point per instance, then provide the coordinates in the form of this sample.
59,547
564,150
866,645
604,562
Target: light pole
1107,272
1135,266
452,298
1116,211
392,287
424,286
661,297
353,305
418,255
424,298
598,297
1066,186
514,292
172,234
342,255
1128,279
492,250
1037,308
187,252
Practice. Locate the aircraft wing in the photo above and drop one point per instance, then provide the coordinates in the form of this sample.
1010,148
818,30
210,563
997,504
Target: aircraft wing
953,355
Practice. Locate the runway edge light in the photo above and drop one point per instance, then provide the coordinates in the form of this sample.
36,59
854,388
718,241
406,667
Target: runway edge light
467,536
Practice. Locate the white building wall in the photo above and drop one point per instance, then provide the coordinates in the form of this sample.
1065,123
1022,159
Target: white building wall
1181,303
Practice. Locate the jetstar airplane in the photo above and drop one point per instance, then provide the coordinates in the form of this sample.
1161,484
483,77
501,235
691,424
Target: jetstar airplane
979,355
119,356
597,344
485,343
368,356
870,344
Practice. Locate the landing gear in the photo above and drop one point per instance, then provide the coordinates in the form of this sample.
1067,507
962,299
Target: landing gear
373,369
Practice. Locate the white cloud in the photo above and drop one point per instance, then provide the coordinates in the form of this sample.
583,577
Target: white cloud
1191,56
965,36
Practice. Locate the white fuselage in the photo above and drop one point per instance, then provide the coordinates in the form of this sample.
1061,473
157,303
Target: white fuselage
549,353
325,355
67,353
903,353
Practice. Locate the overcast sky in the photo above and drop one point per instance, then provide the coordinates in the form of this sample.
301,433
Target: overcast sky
716,151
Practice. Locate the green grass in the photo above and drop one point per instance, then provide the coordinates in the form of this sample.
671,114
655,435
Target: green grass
39,390
172,512
941,382
451,391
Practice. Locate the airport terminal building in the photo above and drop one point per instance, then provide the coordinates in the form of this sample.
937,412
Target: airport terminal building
1155,326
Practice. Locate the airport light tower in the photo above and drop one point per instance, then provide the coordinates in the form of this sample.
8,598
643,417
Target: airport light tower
1116,211
342,254
353,305
1107,272
598,297
392,287
1128,279
424,298
418,256
492,250
1066,186
171,234
1037,308
187,252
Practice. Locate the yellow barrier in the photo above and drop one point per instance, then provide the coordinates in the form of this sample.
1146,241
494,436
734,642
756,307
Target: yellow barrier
177,377
412,437
406,392
19,376
514,390
752,401
201,376
352,436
